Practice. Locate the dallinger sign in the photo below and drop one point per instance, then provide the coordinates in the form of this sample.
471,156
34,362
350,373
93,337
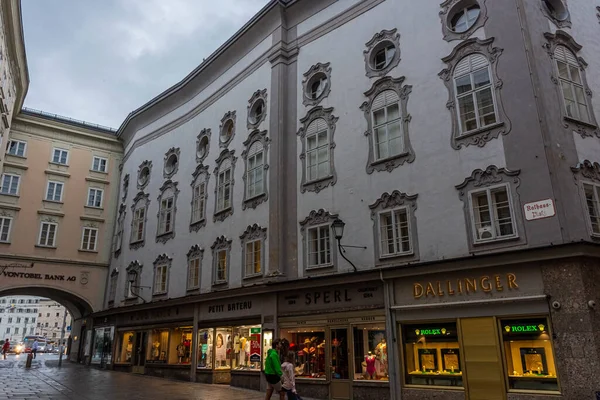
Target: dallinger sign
465,286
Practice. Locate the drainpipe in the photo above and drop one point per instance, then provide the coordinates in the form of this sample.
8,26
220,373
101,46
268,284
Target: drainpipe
392,347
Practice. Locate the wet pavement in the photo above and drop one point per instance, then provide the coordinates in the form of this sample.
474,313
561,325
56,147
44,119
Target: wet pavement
45,380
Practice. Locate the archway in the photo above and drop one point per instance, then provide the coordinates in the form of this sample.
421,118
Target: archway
78,308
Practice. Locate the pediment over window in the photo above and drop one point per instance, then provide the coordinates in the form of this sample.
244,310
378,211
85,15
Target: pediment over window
490,176
221,243
195,251
588,170
317,217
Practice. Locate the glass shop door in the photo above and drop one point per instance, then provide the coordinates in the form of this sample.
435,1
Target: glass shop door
141,339
339,358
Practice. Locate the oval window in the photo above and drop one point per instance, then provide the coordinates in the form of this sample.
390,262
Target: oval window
227,131
144,175
464,19
382,55
202,149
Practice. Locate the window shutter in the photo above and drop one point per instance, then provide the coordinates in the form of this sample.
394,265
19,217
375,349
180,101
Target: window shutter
225,165
255,148
385,98
563,54
470,63
318,125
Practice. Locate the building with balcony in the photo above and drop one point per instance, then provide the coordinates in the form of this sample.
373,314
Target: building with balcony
407,193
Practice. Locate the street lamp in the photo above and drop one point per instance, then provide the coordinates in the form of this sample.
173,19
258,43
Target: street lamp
132,275
338,232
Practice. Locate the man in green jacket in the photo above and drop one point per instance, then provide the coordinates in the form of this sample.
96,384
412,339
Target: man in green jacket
273,371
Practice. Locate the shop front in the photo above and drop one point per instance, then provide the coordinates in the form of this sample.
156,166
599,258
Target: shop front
339,340
233,336
103,346
156,342
475,334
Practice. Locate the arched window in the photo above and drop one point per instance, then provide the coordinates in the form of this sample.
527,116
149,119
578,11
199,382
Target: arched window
570,77
167,209
138,222
387,125
255,173
199,197
474,93
224,186
317,151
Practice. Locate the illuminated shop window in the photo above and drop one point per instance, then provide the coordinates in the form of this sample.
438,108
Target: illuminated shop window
158,342
205,344
223,346
246,355
180,347
370,353
309,346
432,355
529,355
126,349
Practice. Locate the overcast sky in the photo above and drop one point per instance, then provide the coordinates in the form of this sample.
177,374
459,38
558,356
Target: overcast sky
98,60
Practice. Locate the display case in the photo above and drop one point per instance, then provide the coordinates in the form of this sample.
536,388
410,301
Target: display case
370,353
247,354
529,354
125,352
180,347
432,354
158,342
205,344
308,346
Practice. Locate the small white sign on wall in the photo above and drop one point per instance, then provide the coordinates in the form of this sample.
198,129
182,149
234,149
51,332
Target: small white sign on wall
539,209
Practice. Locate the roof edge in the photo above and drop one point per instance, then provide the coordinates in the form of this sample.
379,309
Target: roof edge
196,71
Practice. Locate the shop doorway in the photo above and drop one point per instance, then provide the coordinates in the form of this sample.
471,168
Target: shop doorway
341,385
140,352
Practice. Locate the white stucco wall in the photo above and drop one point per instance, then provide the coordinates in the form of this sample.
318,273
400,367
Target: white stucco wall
437,167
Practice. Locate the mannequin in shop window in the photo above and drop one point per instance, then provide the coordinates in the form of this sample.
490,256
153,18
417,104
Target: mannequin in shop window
381,364
370,360
155,350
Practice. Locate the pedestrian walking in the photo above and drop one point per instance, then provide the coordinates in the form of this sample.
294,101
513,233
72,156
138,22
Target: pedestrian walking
273,371
288,380
34,348
5,348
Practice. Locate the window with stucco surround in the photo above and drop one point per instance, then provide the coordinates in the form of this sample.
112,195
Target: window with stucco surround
253,251
316,84
227,129
131,289
194,272
221,250
316,135
48,232
224,173
162,265
143,174
556,11
318,241
492,206
382,53
256,166
570,79
139,218
125,187
461,18
167,209
587,175
89,238
257,109
6,222
199,197
112,292
118,238
386,112
395,228
171,162
475,93
202,145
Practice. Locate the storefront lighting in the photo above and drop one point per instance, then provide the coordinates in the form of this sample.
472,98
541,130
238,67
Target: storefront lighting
338,232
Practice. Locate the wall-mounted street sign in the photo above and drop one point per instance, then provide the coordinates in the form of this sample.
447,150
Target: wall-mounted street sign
539,210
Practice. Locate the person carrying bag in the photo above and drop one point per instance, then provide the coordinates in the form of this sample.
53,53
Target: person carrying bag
273,371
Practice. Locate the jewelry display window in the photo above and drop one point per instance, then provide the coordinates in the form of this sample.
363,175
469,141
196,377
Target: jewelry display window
125,351
246,355
529,355
158,343
432,354
180,348
308,344
370,352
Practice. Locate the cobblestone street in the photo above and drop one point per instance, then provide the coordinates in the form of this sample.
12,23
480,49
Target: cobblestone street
46,381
